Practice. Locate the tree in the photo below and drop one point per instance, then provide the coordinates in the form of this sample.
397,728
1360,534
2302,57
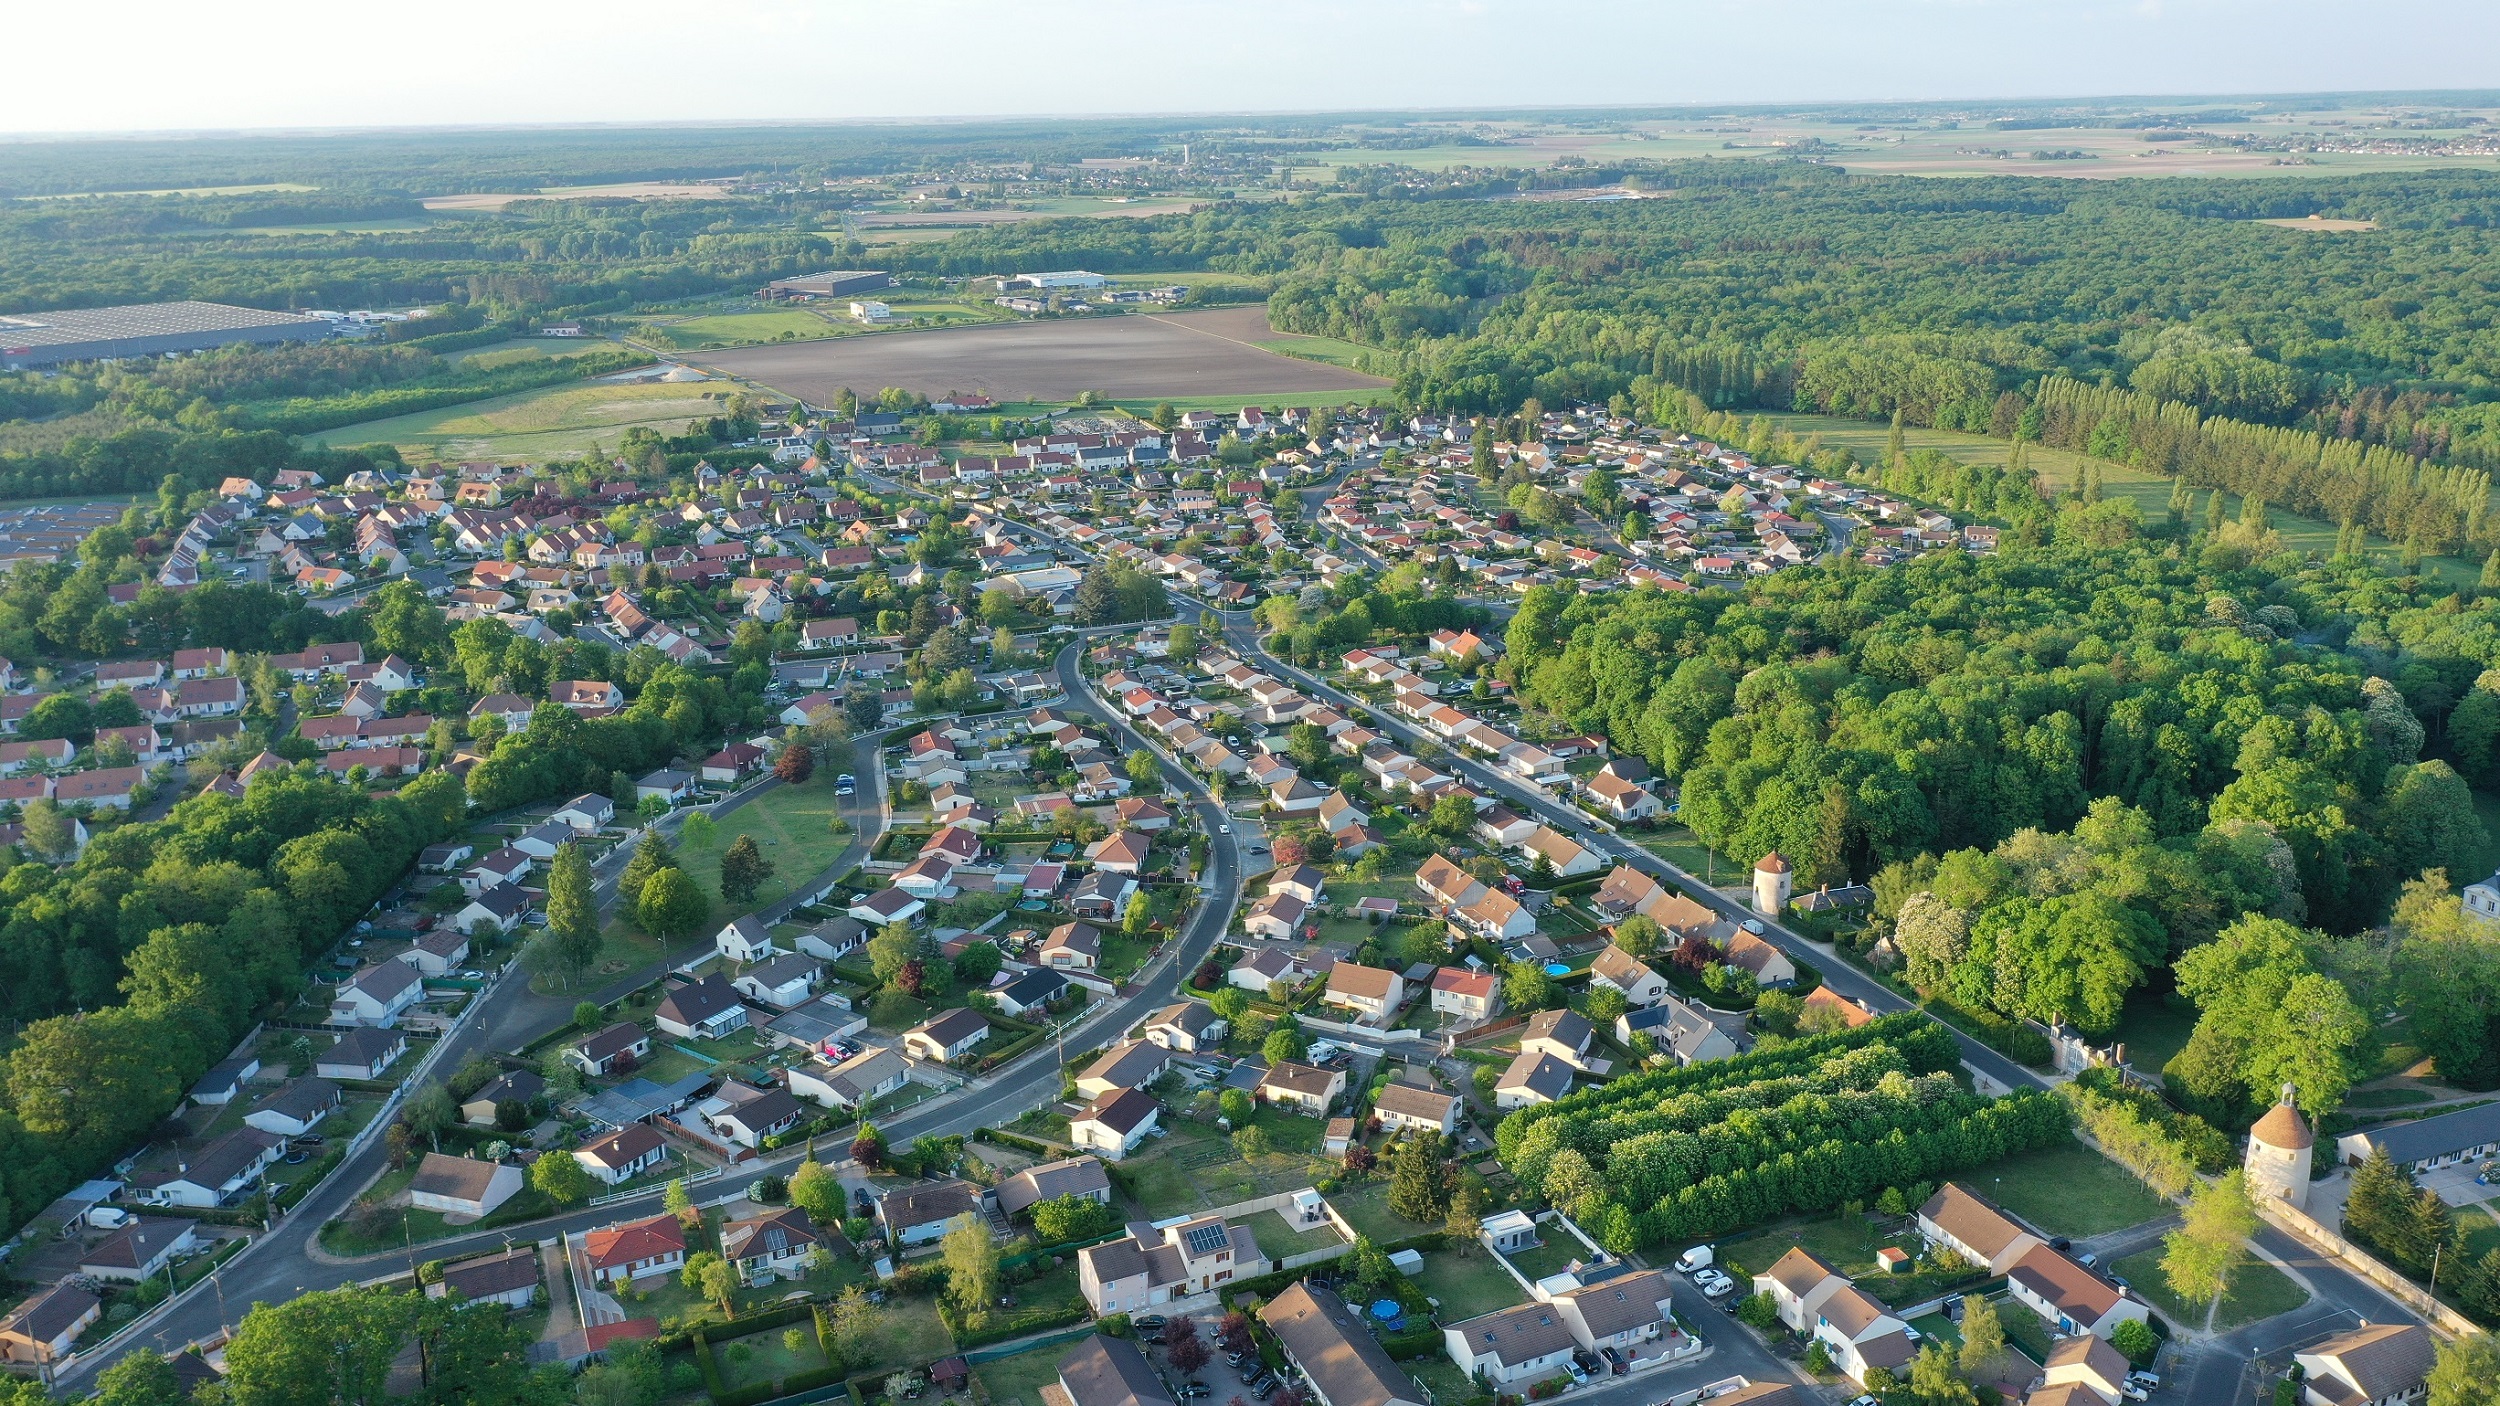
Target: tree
706,1273
1415,1179
1237,1107
1141,768
1451,817
971,1260
1933,1382
49,831
743,870
572,909
796,763
894,945
671,907
327,1348
430,1112
2200,1258
679,1202
2137,1340
1182,1347
868,1148
1526,987
815,1189
2375,1205
2466,1372
1638,935
1228,1002
651,855
1072,1217
1983,1337
1284,1043
142,1378
698,829
1139,917
1465,1219
562,1178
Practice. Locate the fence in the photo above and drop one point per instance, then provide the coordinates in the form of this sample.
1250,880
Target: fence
691,1179
2301,1226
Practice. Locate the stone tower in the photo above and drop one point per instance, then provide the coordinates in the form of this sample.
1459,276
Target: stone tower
2279,1148
1770,885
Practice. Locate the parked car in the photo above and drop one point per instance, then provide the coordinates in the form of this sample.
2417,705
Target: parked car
845,784
1150,1320
2060,1244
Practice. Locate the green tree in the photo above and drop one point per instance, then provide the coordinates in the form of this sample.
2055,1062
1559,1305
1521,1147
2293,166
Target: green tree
1141,768
972,1271
1415,1179
1072,1217
562,1179
817,1190
2200,1258
1284,1043
1637,935
708,1274
679,1202
572,909
141,1378
743,870
1526,987
430,1112
651,855
894,946
326,1348
1983,1337
671,907
1237,1107
2466,1372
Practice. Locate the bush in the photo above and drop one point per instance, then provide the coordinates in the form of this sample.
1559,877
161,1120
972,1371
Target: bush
2137,1340
1761,1313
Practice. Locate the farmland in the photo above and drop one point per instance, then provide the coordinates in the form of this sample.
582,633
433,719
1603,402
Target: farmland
1215,353
554,422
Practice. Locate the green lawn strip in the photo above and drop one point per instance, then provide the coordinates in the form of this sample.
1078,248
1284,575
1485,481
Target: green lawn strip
622,947
909,1333
1367,1210
2155,1027
1552,1257
2481,1229
2068,1190
1441,1376
763,1357
1468,1285
1282,1241
1018,1380
2024,1328
2258,1291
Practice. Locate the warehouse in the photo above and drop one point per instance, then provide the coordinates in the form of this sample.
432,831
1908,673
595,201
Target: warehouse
143,329
830,284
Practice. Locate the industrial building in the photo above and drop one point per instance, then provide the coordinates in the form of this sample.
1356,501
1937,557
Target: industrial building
832,283
143,329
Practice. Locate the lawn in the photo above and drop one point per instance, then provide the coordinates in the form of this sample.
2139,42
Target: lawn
763,1357
791,824
1196,1169
549,423
622,947
1467,1285
908,1334
1367,1209
1555,1256
2153,1028
1849,1244
371,1227
1018,1380
2259,1291
2069,1190
1282,1241
1679,847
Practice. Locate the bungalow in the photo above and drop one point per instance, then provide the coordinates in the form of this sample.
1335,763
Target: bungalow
1071,947
1276,915
1568,857
666,785
377,995
501,907
872,1073
45,1328
620,1047
747,1115
1120,852
947,1036
705,1010
1114,1123
832,939
361,1054
1966,1224
1622,800
1328,1344
780,1243
509,1278
2069,1297
1622,1313
1528,1342
1533,1077
1130,1064
920,1212
726,766
140,1250
505,865
1260,970
462,1186
1401,1105
1074,1176
621,1154
784,981
1032,991
586,813
1768,964
218,1174
295,1107
437,953
543,840
591,696
885,906
653,1248
1307,1089
2382,1364
485,1106
1191,1027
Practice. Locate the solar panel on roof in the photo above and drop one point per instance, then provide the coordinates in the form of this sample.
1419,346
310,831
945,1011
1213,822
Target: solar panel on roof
1205,1239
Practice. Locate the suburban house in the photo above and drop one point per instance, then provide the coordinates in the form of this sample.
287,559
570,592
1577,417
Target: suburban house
1640,985
1130,1064
746,940
1071,947
140,1250
361,1054
509,1278
784,981
1564,1034
1160,1266
521,1086
1528,1342
919,1213
1048,1181
295,1107
1533,1077
619,1047
1115,1122
1187,1028
2069,1297
1344,1363
437,953
1372,993
462,1186
652,1248
44,1329
1622,1312
874,1072
586,813
1620,799
1466,995
1032,991
780,1243
2082,1371
946,1036
377,995
1103,1371
621,1154
1302,1087
1260,970
1402,1105
1970,1227
1685,1032
2384,1364
747,1115
704,1010
501,907
1854,1328
2426,1144
1769,965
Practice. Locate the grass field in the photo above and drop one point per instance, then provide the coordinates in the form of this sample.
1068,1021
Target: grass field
2068,1190
2154,1028
789,823
1018,1380
521,349
1468,1285
1866,438
1196,1169
763,1357
1366,1208
760,326
2259,1291
554,422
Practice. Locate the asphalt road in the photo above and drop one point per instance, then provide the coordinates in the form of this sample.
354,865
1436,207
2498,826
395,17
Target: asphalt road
2207,1371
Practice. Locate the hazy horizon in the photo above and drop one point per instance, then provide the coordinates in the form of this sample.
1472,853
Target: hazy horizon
290,65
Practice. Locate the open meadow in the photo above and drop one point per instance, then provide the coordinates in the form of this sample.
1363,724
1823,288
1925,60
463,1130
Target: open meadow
549,423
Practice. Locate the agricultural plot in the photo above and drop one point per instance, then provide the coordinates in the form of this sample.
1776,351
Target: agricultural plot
550,423
1147,356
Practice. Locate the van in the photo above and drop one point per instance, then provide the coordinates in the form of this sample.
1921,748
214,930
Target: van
1698,1257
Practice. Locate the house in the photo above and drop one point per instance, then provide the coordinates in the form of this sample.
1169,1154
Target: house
832,939
377,995
500,907
1049,1181
1302,1087
1622,1313
726,766
666,785
2382,1364
919,1213
1274,915
885,906
1768,964
1130,1064
1622,800
590,696
1032,991
1071,947
2069,1297
1465,995
873,1073
700,1010
44,1329
437,953
1101,894
2442,1140
295,1107
1533,1077
1103,1371
618,1048
1683,1031
218,1173
1115,1122
745,940
361,1054
509,1278
224,1080
140,1250
1260,970
1564,1034
784,981
1120,852
653,1248
1628,974
1344,1363
1967,1225
462,1186
1528,1342
947,1036
1164,1265
496,868
521,1086
1824,1003
621,1154
1860,1335
1374,993
1302,881
1401,1106
586,813
2082,1371
780,1243
747,1115
1191,1027
1568,857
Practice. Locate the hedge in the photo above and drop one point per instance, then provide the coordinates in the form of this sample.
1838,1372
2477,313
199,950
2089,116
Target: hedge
1016,1140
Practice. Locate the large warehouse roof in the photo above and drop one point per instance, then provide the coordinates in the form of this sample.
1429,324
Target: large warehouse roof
39,338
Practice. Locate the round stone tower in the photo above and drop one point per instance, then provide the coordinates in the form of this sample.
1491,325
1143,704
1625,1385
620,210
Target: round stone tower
1770,885
2279,1148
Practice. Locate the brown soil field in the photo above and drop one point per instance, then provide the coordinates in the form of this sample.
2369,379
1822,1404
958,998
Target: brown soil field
1137,356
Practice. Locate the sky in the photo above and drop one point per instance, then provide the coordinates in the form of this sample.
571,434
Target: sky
178,65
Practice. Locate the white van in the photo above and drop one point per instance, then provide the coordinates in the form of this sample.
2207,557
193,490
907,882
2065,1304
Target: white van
1698,1257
